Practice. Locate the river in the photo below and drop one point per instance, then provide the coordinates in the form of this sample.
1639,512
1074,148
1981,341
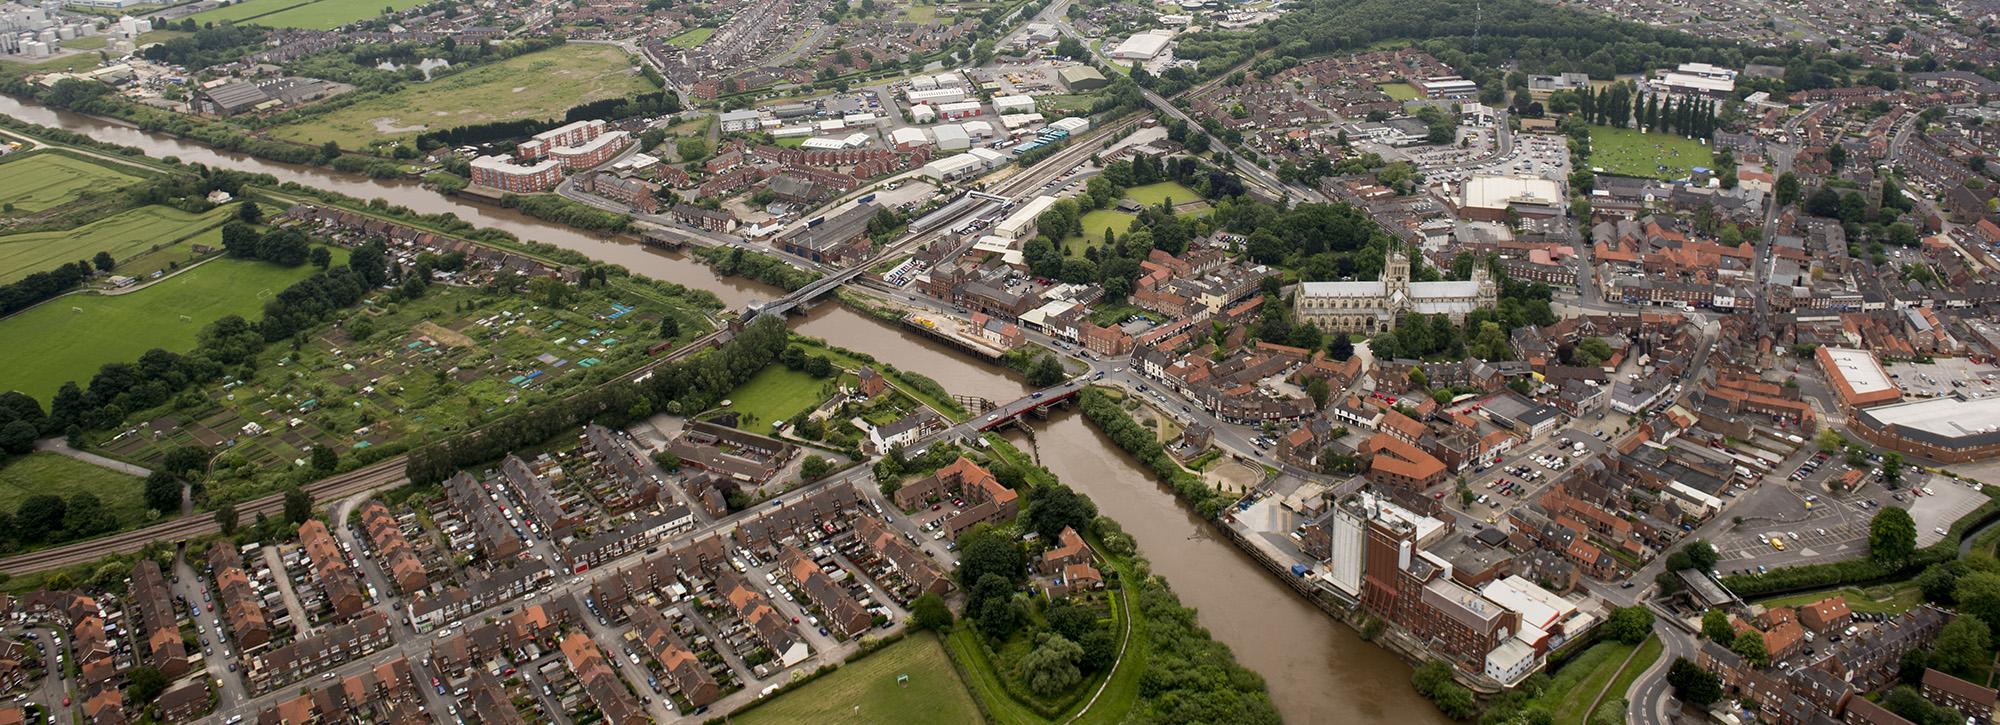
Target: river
1319,671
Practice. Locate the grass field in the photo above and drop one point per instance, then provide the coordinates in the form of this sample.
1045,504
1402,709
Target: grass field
38,473
1401,91
775,394
867,691
124,235
1649,652
1631,153
1886,599
1094,224
87,42
47,179
71,337
920,14
692,38
1153,194
1577,683
542,84
308,14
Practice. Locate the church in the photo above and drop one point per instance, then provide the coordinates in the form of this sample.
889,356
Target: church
1374,306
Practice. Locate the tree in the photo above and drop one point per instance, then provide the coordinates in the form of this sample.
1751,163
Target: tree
1318,391
1787,189
1047,371
226,519
930,612
1750,646
1630,625
1892,536
1830,440
1057,507
163,493
818,366
185,461
102,262
1824,202
1892,469
814,468
1341,348
670,327
250,213
146,682
1050,668
39,517
1611,712
1939,581
983,552
1433,680
17,437
320,258
1963,648
1978,594
87,516
1715,626
298,505
1694,684
324,459
1905,701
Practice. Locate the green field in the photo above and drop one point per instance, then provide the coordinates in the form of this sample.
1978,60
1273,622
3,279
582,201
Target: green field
1885,599
775,394
308,14
1401,91
124,235
38,473
71,337
692,38
87,42
867,691
1649,652
920,14
1094,224
542,84
1628,152
47,179
1154,194
1573,686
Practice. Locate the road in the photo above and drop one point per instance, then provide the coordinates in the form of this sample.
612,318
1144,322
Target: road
61,447
1650,695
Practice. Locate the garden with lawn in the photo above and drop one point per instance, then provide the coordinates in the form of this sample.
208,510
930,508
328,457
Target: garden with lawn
691,39
1094,224
1162,192
910,681
542,84
1884,599
1400,91
773,395
1628,152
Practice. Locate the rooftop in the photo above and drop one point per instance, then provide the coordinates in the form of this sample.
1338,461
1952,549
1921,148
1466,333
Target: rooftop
1863,373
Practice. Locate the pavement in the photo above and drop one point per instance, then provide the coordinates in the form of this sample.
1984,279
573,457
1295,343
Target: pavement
61,447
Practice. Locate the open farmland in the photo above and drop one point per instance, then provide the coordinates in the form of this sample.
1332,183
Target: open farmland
868,690
308,14
42,180
125,235
70,337
542,84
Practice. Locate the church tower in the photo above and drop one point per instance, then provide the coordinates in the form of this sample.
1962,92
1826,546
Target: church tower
1396,286
1489,293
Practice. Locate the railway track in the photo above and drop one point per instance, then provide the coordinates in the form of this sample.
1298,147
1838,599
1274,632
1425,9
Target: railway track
380,474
